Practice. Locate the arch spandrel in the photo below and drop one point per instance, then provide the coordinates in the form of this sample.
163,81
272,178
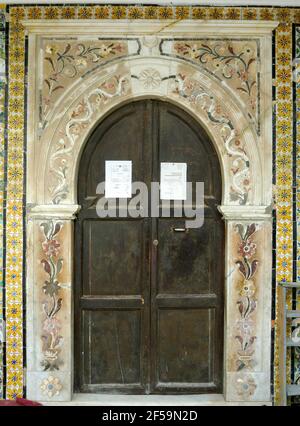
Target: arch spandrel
74,118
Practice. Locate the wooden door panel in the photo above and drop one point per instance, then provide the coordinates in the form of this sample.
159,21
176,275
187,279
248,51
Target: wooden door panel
186,260
185,347
122,137
112,260
182,140
112,347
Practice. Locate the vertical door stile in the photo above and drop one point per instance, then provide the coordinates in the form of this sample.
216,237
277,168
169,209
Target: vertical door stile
154,238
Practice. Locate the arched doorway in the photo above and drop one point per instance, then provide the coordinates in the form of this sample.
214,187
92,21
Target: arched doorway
148,299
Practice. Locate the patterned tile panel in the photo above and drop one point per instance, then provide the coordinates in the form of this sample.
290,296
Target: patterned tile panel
284,169
2,156
14,208
297,81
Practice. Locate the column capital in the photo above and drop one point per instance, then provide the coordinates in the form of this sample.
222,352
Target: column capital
234,212
52,211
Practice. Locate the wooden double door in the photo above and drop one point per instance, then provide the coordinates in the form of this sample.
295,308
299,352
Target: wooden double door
148,296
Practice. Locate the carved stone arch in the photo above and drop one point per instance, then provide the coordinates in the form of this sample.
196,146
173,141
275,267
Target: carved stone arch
150,69
166,78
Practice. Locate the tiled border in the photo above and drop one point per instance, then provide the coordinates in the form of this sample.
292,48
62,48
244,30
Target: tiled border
14,209
297,183
2,180
284,168
15,189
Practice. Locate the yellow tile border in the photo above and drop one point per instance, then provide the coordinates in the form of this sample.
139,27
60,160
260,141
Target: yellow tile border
14,316
284,178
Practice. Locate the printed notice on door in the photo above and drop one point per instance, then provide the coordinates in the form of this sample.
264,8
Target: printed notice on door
118,179
173,181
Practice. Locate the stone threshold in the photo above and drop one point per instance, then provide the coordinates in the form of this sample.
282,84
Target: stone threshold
151,400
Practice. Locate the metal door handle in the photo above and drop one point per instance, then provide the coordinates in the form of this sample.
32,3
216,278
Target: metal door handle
180,229
155,243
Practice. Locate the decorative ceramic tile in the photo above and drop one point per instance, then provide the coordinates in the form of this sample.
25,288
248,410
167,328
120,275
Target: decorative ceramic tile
284,170
297,81
14,225
2,186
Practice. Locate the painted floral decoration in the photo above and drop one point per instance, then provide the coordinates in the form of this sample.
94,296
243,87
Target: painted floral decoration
246,302
233,62
246,386
66,61
51,386
52,264
191,89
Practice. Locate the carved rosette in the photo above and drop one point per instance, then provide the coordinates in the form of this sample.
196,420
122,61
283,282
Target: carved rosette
51,387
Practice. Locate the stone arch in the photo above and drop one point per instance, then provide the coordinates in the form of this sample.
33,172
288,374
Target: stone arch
89,100
149,69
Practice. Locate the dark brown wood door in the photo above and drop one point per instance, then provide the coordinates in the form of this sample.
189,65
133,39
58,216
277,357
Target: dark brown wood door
148,299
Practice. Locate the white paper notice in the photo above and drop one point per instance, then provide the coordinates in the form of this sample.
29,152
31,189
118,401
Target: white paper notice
118,178
173,181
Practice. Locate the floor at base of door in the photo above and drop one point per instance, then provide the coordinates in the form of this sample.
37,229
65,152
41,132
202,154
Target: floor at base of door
151,400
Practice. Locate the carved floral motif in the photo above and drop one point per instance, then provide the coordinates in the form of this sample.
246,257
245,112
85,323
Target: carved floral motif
247,302
246,386
185,86
51,386
52,264
78,121
198,95
150,78
234,61
65,61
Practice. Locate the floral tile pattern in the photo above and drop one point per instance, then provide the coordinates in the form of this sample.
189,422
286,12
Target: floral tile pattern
283,169
14,208
297,81
15,153
2,156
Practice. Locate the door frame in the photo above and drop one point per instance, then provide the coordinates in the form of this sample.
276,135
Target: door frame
246,207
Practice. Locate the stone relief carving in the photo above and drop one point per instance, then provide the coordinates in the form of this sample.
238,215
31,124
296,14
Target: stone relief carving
79,119
52,264
234,62
247,302
64,61
246,386
51,386
175,78
199,96
150,78
184,86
